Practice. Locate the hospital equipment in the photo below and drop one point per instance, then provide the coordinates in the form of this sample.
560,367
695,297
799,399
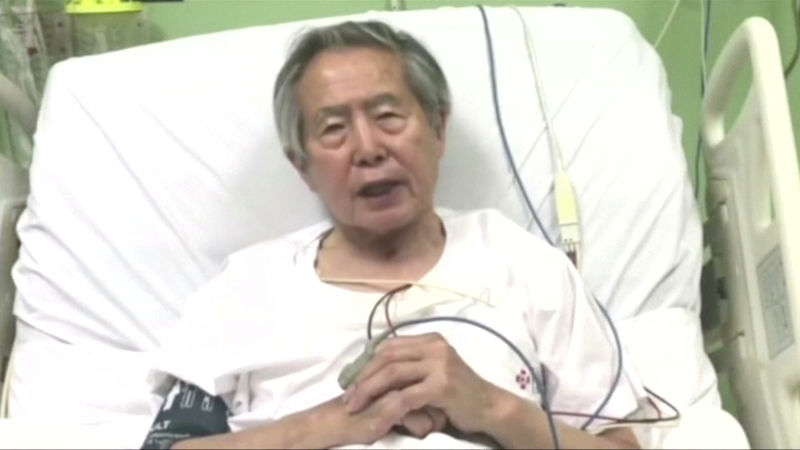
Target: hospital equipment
137,196
753,198
102,6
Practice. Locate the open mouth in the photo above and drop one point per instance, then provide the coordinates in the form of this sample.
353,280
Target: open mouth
377,188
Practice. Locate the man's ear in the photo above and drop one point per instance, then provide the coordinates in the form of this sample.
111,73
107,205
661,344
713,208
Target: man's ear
442,128
441,132
300,164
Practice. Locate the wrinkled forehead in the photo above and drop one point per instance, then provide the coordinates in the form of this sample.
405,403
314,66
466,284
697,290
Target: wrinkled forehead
360,76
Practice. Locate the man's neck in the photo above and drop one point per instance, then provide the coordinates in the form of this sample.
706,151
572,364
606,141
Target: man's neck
410,251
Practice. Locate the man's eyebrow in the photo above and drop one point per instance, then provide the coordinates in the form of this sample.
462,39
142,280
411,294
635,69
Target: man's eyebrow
330,111
344,110
383,99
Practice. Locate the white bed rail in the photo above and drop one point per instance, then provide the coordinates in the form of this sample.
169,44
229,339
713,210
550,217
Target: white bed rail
754,213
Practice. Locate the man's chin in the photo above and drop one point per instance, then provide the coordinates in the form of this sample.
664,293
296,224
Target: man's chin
383,226
387,222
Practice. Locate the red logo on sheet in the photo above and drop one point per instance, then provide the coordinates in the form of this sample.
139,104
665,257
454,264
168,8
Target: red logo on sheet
523,379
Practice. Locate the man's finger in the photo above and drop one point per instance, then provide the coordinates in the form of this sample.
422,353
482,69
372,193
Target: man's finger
419,423
438,417
386,354
389,411
390,377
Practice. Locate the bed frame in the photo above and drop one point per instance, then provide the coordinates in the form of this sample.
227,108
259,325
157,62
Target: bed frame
753,202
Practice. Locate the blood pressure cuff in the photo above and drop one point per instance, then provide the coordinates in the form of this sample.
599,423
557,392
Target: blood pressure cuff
188,412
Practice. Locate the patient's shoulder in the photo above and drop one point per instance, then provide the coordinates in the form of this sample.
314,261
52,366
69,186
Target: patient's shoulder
493,228
278,250
500,245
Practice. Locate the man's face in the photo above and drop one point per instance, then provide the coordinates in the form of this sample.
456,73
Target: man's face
372,156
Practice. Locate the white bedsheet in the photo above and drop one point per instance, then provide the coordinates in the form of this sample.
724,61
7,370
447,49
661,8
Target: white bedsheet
68,433
56,380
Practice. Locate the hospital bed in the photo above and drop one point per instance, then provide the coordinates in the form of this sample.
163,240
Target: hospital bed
753,199
153,163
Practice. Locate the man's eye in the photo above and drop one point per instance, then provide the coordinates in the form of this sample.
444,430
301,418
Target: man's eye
391,122
333,128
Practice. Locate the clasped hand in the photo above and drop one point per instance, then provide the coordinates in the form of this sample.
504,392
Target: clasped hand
419,382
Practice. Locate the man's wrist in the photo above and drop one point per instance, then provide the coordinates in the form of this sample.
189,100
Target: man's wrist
504,407
318,427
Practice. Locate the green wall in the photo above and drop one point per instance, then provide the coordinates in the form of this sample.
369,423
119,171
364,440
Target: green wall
680,48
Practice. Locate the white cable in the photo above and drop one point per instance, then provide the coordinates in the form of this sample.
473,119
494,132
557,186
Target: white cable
555,149
566,203
400,282
668,23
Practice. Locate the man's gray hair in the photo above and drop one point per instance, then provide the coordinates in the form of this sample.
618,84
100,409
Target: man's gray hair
422,73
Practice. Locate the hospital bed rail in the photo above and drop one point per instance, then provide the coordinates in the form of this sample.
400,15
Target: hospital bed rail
753,201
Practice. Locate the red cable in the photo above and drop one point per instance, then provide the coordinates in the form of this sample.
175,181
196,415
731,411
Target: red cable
386,313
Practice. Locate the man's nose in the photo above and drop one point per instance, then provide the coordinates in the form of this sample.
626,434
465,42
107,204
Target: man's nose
368,149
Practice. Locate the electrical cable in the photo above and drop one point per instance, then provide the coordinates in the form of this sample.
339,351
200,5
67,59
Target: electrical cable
572,255
555,148
498,118
796,17
705,26
388,315
667,23
617,376
572,246
388,294
630,422
566,203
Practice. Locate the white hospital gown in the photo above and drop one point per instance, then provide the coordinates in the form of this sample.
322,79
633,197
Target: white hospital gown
271,338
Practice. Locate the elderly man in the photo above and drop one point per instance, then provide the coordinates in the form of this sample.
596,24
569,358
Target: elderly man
362,111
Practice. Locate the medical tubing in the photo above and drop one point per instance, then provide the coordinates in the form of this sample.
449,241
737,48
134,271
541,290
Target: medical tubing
518,179
792,62
620,420
495,101
662,400
614,385
385,296
705,26
555,148
539,383
667,24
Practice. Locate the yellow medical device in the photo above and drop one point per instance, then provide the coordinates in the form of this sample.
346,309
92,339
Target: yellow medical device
102,6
